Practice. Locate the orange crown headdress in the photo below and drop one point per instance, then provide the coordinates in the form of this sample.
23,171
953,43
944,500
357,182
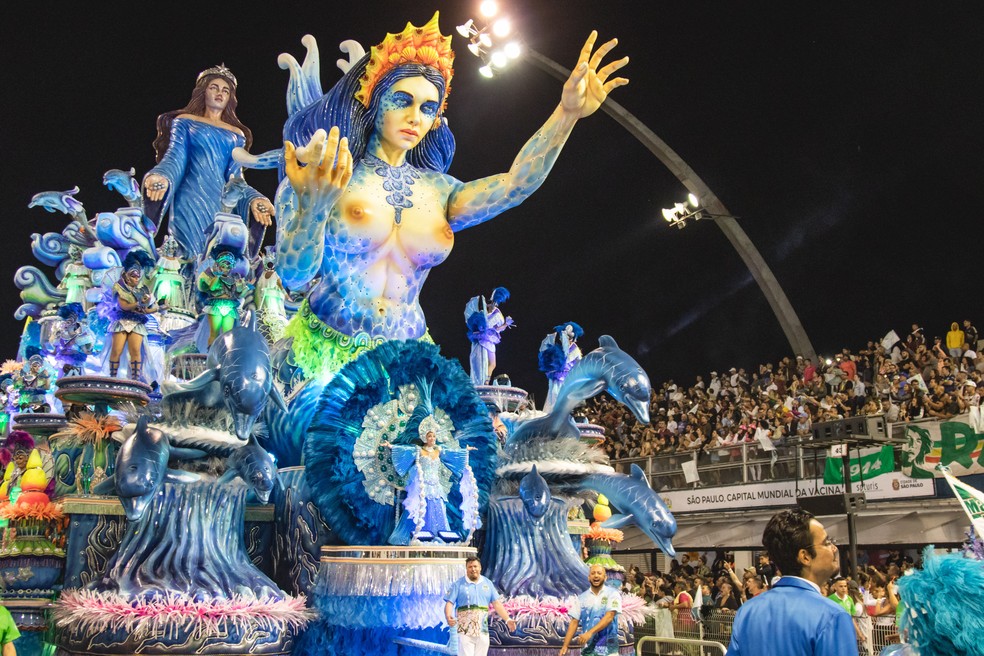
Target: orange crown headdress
414,45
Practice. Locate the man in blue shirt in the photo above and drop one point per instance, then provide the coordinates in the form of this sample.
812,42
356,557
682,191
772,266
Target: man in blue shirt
597,612
467,607
793,618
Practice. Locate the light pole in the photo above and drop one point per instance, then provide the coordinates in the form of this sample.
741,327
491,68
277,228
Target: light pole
483,46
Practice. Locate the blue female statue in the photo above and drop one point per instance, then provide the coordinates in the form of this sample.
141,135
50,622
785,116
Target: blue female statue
367,205
194,161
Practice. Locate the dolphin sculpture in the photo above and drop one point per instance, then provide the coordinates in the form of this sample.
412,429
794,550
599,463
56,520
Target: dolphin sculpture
607,368
237,377
123,183
535,493
59,201
141,469
638,503
255,466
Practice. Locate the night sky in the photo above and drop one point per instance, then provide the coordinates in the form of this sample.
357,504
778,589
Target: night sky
847,138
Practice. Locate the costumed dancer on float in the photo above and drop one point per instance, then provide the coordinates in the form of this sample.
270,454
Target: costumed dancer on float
270,297
77,278
485,327
74,340
132,303
223,290
558,354
368,205
194,160
20,444
168,285
425,516
32,382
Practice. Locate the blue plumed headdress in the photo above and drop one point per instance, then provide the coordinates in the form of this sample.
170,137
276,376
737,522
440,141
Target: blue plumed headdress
138,259
500,295
578,331
69,309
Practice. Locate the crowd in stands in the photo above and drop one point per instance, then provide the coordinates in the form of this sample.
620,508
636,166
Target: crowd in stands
903,379
872,599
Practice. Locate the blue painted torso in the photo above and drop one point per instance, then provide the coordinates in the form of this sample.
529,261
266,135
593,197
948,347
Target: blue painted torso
373,265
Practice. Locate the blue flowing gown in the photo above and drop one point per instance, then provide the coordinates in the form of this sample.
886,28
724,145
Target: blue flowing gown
197,164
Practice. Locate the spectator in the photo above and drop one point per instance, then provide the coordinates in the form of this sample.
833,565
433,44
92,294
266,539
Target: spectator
955,340
754,586
970,334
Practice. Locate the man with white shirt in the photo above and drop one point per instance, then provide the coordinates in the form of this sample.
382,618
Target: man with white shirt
793,618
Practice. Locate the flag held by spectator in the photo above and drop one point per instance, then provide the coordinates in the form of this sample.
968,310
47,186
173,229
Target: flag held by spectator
690,471
970,498
865,464
890,340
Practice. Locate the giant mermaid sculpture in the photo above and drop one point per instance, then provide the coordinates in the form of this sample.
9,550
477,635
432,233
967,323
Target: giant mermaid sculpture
368,206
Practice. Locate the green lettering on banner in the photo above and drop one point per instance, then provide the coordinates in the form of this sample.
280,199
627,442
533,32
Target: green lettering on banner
973,505
959,442
871,463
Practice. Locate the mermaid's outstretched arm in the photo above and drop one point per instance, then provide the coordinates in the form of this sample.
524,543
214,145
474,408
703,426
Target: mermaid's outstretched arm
475,202
318,174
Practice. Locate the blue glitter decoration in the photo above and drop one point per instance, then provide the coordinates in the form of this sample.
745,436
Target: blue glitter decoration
397,180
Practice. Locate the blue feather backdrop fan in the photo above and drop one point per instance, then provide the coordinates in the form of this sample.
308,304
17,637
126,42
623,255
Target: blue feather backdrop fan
375,379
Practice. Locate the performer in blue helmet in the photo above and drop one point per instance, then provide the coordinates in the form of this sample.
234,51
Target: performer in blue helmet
133,302
486,324
222,289
558,354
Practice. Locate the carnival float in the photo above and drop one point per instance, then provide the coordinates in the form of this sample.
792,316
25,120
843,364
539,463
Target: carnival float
221,448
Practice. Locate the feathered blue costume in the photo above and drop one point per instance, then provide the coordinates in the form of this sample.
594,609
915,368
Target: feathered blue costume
384,396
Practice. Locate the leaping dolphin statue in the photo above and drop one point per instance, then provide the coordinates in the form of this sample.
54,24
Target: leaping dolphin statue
606,368
255,466
237,377
141,469
535,493
638,503
59,201
123,183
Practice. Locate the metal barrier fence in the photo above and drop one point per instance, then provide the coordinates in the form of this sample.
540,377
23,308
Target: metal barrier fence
683,635
652,646
736,464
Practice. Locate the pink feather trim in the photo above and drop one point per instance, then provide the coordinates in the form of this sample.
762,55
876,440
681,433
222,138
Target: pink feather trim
101,611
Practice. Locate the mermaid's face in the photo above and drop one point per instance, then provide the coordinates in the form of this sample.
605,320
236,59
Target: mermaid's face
407,112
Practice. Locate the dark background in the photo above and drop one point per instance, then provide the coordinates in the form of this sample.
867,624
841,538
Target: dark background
847,138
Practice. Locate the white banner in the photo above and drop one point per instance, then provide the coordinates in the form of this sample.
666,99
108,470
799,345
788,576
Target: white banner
772,494
690,471
956,443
